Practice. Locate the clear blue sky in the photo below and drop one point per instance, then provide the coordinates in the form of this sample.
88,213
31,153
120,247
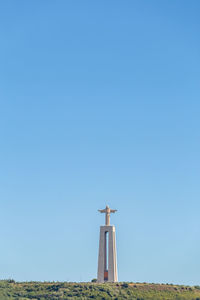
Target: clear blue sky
100,104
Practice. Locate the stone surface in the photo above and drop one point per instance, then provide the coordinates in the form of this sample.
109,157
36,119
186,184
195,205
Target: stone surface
107,271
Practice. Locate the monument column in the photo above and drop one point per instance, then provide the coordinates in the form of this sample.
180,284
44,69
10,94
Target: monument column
107,262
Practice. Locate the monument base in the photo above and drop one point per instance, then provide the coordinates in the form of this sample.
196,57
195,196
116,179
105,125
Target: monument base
107,262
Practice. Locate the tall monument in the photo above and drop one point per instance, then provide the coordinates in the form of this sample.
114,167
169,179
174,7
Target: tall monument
107,263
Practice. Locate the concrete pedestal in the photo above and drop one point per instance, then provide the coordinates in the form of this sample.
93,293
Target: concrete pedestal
107,263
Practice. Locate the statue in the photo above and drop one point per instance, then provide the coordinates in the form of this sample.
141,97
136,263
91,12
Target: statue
107,212
107,261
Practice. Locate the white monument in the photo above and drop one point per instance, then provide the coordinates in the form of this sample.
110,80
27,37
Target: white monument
107,263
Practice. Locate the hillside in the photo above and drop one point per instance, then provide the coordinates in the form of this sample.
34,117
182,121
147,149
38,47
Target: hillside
9,289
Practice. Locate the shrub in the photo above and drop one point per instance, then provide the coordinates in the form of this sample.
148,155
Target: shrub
125,285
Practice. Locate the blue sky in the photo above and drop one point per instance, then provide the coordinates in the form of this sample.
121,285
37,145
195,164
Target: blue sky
99,104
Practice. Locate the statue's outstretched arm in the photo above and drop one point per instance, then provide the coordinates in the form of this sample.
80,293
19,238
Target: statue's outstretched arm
102,210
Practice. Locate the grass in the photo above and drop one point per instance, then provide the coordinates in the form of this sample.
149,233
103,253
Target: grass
9,289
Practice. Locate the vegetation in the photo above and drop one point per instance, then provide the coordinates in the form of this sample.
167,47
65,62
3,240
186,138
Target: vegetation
9,289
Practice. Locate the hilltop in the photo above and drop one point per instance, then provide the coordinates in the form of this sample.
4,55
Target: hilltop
9,289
